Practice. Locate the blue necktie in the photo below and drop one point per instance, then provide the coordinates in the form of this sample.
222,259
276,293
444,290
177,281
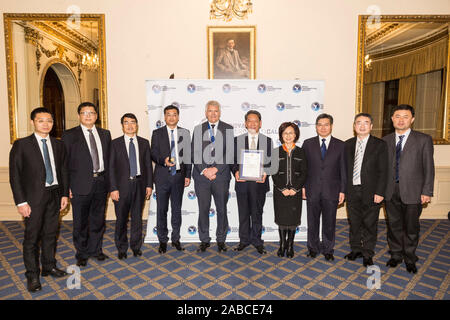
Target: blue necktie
132,159
172,170
398,153
323,148
213,151
47,163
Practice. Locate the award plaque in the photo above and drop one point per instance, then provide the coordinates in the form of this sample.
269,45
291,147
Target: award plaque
251,165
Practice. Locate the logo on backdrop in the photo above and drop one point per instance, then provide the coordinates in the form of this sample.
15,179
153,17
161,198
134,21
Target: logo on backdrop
191,195
297,88
192,230
226,88
245,106
262,88
263,229
315,106
155,230
159,124
156,88
280,106
298,123
212,212
154,195
191,88
176,104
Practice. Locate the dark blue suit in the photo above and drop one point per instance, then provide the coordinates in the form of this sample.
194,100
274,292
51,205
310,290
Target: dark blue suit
170,186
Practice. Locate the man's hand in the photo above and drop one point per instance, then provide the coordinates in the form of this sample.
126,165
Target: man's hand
168,163
425,199
263,179
187,182
70,194
64,203
341,198
115,195
210,173
24,210
303,194
148,193
236,175
377,198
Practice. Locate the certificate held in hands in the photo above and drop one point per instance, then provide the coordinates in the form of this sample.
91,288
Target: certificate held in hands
251,165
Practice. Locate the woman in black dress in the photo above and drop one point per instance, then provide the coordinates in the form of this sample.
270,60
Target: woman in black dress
288,183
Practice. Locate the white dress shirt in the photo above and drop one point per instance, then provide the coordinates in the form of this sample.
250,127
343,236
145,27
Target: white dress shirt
98,142
175,137
406,135
136,147
327,140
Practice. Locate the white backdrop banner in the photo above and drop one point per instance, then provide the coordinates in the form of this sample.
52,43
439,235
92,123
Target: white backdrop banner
277,101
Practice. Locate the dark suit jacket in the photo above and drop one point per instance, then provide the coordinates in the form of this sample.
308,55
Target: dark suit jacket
416,168
80,161
373,168
119,165
224,157
265,144
161,150
326,177
27,170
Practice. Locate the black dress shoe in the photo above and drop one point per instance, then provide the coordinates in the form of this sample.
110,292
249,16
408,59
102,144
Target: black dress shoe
312,254
102,257
162,247
261,249
122,255
55,273
137,253
221,247
203,246
82,262
177,245
392,263
240,247
367,262
33,284
411,267
329,256
353,256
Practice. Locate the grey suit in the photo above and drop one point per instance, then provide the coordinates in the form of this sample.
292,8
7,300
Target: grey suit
403,198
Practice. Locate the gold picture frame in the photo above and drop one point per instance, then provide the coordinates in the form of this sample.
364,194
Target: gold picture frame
231,52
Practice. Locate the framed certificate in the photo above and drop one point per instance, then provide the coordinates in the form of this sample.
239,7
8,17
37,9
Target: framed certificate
251,165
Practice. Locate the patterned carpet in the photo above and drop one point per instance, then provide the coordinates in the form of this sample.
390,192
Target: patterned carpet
232,275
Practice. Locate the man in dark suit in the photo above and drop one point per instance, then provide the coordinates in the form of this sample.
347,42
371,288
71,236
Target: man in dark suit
410,182
366,184
40,184
251,195
212,152
325,186
87,149
130,183
171,153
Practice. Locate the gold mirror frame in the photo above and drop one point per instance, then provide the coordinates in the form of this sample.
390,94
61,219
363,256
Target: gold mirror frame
362,20
8,19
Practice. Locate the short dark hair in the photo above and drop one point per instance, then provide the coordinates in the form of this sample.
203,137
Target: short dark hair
284,126
171,107
128,115
403,107
325,116
40,110
253,112
87,104
363,114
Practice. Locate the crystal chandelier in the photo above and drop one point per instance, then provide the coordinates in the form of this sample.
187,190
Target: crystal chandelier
90,61
227,9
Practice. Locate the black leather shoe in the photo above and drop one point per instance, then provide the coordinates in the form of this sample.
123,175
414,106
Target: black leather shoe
261,249
392,263
240,247
329,256
177,245
411,267
367,262
122,255
33,284
221,247
312,254
55,273
203,246
102,257
162,247
82,262
352,256
137,253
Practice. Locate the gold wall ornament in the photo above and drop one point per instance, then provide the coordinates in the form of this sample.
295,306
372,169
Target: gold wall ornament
228,9
32,36
38,58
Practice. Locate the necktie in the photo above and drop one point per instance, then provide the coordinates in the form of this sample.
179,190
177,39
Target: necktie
213,151
323,148
172,170
253,144
398,153
47,163
132,159
94,151
357,164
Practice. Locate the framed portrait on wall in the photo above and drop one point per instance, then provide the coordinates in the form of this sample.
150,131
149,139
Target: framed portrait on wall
231,52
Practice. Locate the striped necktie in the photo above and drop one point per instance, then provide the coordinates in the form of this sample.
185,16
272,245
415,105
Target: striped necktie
357,164
172,170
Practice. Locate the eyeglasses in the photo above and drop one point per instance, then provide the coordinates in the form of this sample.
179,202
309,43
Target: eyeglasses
88,113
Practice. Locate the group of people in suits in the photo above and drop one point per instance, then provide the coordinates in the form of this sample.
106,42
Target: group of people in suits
85,165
